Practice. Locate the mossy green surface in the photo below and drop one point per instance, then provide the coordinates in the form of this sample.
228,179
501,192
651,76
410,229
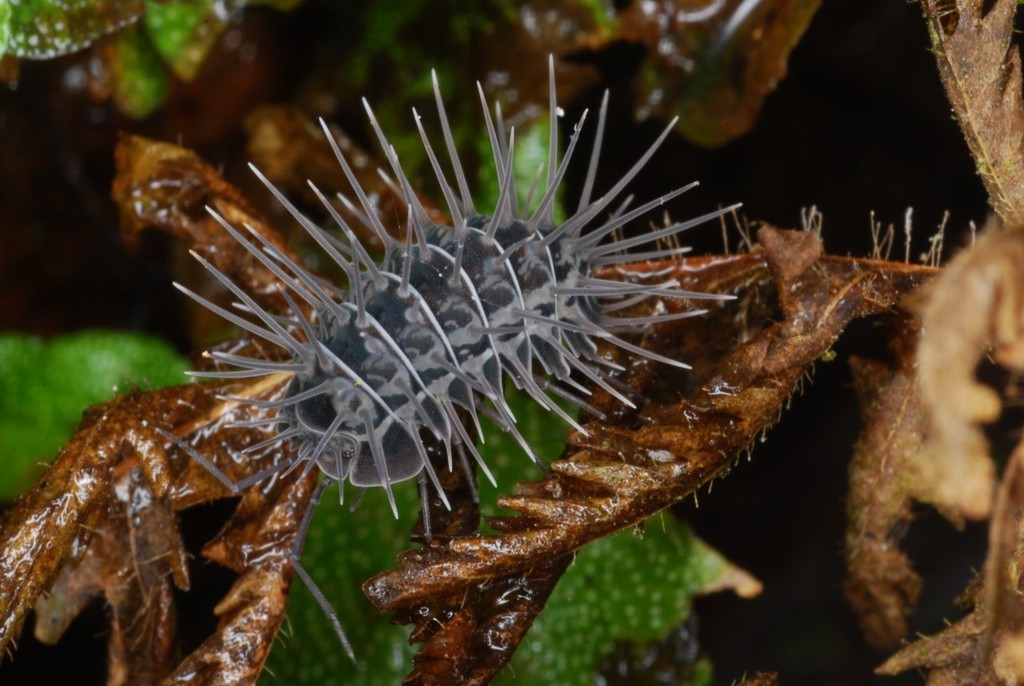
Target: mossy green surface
45,387
5,26
343,550
628,586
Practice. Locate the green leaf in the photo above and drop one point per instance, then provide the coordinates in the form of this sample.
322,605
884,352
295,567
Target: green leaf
43,29
142,79
5,26
344,549
45,387
183,33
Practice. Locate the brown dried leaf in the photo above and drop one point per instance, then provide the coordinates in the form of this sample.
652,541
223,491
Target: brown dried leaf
882,587
101,523
954,471
977,304
986,646
980,68
617,477
952,657
252,611
1002,606
169,187
75,495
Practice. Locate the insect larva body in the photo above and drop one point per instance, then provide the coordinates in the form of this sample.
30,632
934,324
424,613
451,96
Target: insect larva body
446,317
413,346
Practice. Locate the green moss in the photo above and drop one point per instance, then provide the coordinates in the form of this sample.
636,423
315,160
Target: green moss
342,551
627,587
5,26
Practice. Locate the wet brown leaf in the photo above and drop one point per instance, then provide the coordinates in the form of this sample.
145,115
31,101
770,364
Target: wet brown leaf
713,63
102,515
73,498
981,70
168,187
480,636
130,561
256,543
617,476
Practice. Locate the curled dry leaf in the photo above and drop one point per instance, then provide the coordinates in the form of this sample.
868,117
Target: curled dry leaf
981,70
987,646
1004,612
891,469
882,587
169,187
976,305
976,308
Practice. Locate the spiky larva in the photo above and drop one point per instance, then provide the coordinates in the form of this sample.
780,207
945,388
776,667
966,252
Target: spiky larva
448,315
432,332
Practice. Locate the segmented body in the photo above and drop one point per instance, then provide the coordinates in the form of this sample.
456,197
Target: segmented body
414,345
